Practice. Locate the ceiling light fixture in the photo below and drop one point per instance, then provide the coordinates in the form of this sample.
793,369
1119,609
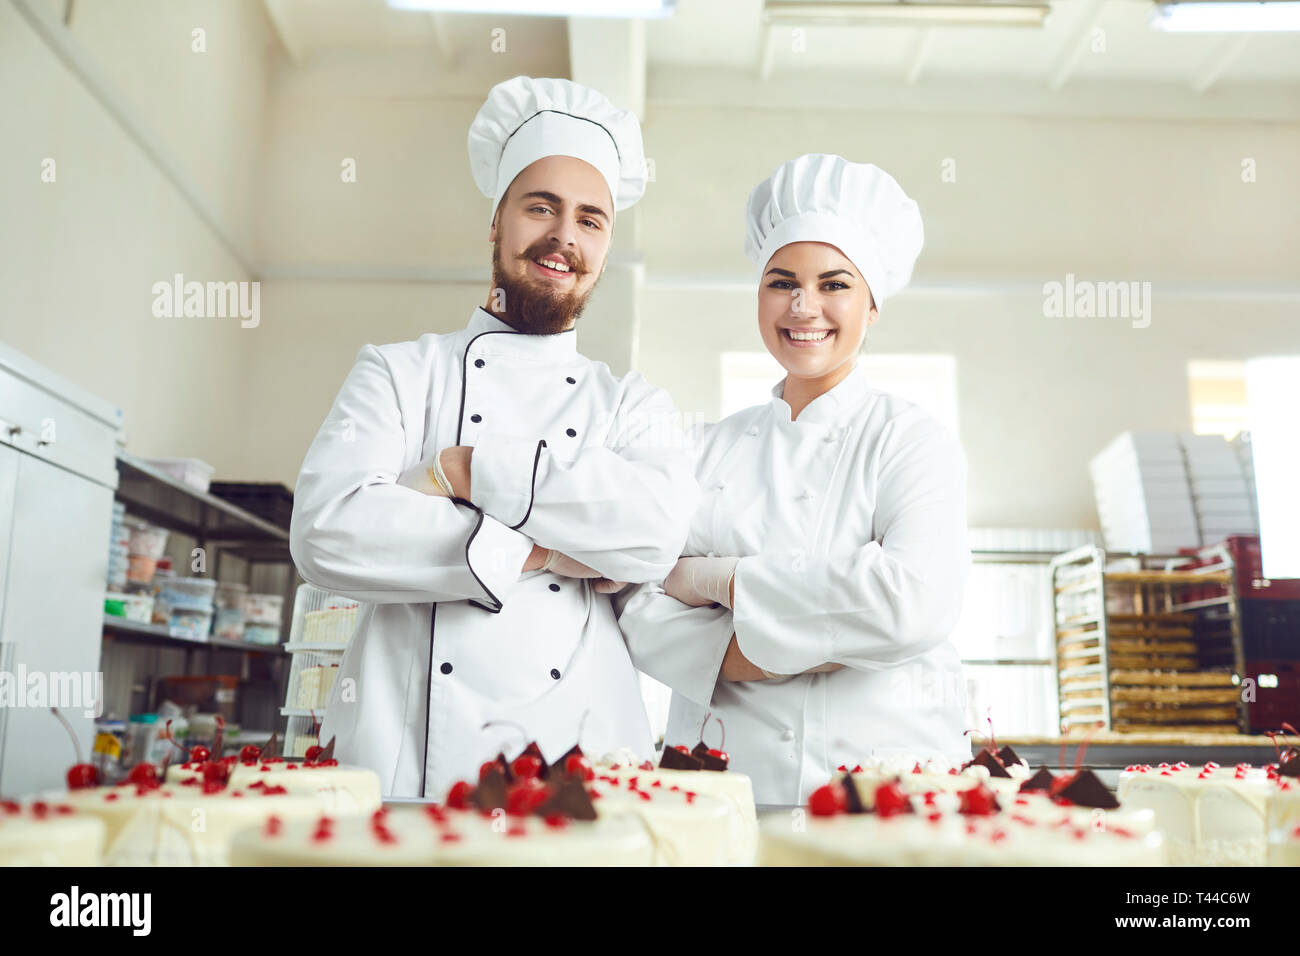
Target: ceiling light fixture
1227,16
906,13
620,9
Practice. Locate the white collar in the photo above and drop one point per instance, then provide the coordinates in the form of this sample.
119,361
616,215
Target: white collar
828,407
482,321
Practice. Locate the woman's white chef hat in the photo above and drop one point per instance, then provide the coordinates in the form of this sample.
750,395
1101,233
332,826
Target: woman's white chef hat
856,207
526,119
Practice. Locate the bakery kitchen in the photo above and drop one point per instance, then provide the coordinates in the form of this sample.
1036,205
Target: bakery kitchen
103,909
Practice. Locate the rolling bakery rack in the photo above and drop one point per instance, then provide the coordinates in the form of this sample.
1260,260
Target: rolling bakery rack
1146,643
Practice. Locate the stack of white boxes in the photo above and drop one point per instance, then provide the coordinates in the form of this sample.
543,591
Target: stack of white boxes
1224,501
1158,492
1143,495
1245,455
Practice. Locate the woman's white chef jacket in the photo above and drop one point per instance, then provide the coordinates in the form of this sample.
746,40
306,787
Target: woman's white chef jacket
452,635
850,524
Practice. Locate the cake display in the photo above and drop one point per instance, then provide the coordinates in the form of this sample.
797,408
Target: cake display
181,816
41,833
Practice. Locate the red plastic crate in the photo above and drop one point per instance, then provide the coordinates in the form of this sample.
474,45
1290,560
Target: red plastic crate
1274,706
1251,583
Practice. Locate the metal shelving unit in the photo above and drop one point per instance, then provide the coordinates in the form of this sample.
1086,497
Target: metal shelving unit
221,529
1147,642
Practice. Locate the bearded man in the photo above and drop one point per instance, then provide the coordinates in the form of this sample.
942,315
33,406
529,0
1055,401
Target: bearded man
483,492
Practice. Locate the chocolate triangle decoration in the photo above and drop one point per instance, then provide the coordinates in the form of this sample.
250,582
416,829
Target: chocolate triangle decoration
1008,756
989,762
1041,780
852,799
327,752
575,750
710,762
569,799
1085,789
504,766
272,747
490,794
674,759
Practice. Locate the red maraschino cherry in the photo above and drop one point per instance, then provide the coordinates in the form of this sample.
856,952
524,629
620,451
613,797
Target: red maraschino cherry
891,800
80,775
580,767
828,801
979,801
143,773
526,767
459,794
525,796
249,753
200,753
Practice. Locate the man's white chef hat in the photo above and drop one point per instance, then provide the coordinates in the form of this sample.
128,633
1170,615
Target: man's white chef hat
856,207
526,119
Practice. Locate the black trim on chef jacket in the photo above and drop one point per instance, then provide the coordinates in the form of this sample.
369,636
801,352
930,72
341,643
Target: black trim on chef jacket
498,604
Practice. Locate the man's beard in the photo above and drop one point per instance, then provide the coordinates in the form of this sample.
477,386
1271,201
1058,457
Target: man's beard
530,307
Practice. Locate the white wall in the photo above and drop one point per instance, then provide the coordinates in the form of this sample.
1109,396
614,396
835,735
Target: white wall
79,257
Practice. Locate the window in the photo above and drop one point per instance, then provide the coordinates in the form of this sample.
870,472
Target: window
1218,396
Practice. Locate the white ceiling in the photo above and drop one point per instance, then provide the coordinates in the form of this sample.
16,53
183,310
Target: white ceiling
738,60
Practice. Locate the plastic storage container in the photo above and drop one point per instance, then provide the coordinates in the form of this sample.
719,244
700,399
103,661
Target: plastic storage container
190,593
132,607
191,471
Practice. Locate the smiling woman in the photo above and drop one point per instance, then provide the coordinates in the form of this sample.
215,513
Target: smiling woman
826,565
814,309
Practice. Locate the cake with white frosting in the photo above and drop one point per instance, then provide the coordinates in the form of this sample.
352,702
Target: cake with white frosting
874,815
44,833
1284,824
735,790
331,625
174,825
1211,815
339,788
315,684
441,836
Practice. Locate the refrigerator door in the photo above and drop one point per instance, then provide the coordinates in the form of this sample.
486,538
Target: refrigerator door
53,612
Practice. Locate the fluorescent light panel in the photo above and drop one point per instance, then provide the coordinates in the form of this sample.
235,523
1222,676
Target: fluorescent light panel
905,13
1225,16
621,9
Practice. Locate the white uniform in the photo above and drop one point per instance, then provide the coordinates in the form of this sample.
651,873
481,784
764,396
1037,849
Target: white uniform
851,527
453,635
